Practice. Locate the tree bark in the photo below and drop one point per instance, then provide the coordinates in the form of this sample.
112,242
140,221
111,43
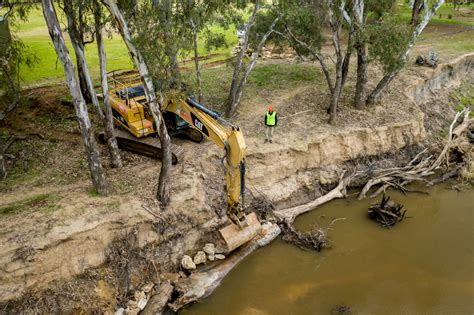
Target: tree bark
383,83
92,154
231,100
155,108
415,12
108,121
252,64
75,34
196,60
359,99
336,30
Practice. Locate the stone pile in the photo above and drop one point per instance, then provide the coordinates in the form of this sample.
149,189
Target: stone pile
208,253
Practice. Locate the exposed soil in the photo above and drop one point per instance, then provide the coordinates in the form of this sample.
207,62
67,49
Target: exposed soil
73,243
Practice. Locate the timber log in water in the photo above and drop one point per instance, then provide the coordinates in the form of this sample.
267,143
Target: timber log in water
387,212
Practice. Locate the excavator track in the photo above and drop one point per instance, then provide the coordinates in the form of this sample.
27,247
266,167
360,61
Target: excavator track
148,146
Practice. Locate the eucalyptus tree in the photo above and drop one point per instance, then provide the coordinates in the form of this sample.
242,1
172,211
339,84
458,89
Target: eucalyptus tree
397,63
144,68
85,126
78,11
256,41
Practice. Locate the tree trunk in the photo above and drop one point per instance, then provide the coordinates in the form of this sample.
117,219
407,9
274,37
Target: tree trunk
3,162
150,96
415,12
108,121
359,99
253,62
231,100
196,60
337,92
383,83
83,70
92,154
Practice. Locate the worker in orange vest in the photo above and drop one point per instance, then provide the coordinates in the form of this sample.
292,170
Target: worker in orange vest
271,120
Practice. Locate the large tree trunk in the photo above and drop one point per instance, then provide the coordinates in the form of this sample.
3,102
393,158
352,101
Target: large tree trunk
196,60
337,92
75,34
150,96
231,100
108,121
359,99
92,154
383,83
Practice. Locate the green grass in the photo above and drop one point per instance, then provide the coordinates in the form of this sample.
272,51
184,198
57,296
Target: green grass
35,35
458,17
45,202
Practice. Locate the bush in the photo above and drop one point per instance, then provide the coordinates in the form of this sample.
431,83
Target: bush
450,16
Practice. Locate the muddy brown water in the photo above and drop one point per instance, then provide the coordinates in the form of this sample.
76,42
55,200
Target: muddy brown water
424,265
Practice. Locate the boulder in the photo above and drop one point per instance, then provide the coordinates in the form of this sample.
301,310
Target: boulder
211,257
209,249
187,263
219,256
200,258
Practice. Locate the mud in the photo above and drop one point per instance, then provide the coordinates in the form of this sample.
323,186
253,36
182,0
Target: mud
44,250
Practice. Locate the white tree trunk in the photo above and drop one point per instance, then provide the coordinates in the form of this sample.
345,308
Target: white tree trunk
382,85
93,157
149,87
108,121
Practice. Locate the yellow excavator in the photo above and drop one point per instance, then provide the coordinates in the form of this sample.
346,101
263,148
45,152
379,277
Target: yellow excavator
184,117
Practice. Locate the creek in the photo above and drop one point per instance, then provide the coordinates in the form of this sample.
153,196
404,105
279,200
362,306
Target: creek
423,265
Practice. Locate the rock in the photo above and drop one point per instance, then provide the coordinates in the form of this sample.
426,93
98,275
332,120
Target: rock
142,303
132,304
209,249
219,256
187,263
148,287
132,311
139,295
169,276
211,257
120,311
200,258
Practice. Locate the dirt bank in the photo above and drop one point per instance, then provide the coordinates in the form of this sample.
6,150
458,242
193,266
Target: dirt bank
70,238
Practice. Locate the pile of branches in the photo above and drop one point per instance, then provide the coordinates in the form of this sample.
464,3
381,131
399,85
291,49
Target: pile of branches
315,239
387,212
425,164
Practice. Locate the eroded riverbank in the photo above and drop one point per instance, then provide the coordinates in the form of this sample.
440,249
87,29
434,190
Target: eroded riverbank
421,266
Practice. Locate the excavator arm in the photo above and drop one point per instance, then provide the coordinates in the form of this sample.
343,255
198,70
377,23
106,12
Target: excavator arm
230,138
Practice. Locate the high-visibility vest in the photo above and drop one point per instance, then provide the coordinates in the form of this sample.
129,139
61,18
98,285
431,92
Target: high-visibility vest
271,119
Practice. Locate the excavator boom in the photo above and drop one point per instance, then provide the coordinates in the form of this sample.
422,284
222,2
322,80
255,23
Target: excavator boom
230,138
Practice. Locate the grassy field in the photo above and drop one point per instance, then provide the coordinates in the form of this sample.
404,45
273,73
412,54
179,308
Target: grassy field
35,35
48,69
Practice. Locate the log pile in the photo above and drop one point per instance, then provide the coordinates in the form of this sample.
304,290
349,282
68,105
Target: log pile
426,163
387,212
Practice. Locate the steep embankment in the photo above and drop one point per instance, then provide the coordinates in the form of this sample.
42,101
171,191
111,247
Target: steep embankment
304,160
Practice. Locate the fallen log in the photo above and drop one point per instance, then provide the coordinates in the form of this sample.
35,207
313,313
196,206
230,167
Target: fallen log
199,285
424,165
338,192
159,301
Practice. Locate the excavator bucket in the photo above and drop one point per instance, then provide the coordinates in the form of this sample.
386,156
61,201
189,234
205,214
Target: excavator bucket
235,237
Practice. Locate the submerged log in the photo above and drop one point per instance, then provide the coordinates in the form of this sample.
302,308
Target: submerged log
199,285
387,212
